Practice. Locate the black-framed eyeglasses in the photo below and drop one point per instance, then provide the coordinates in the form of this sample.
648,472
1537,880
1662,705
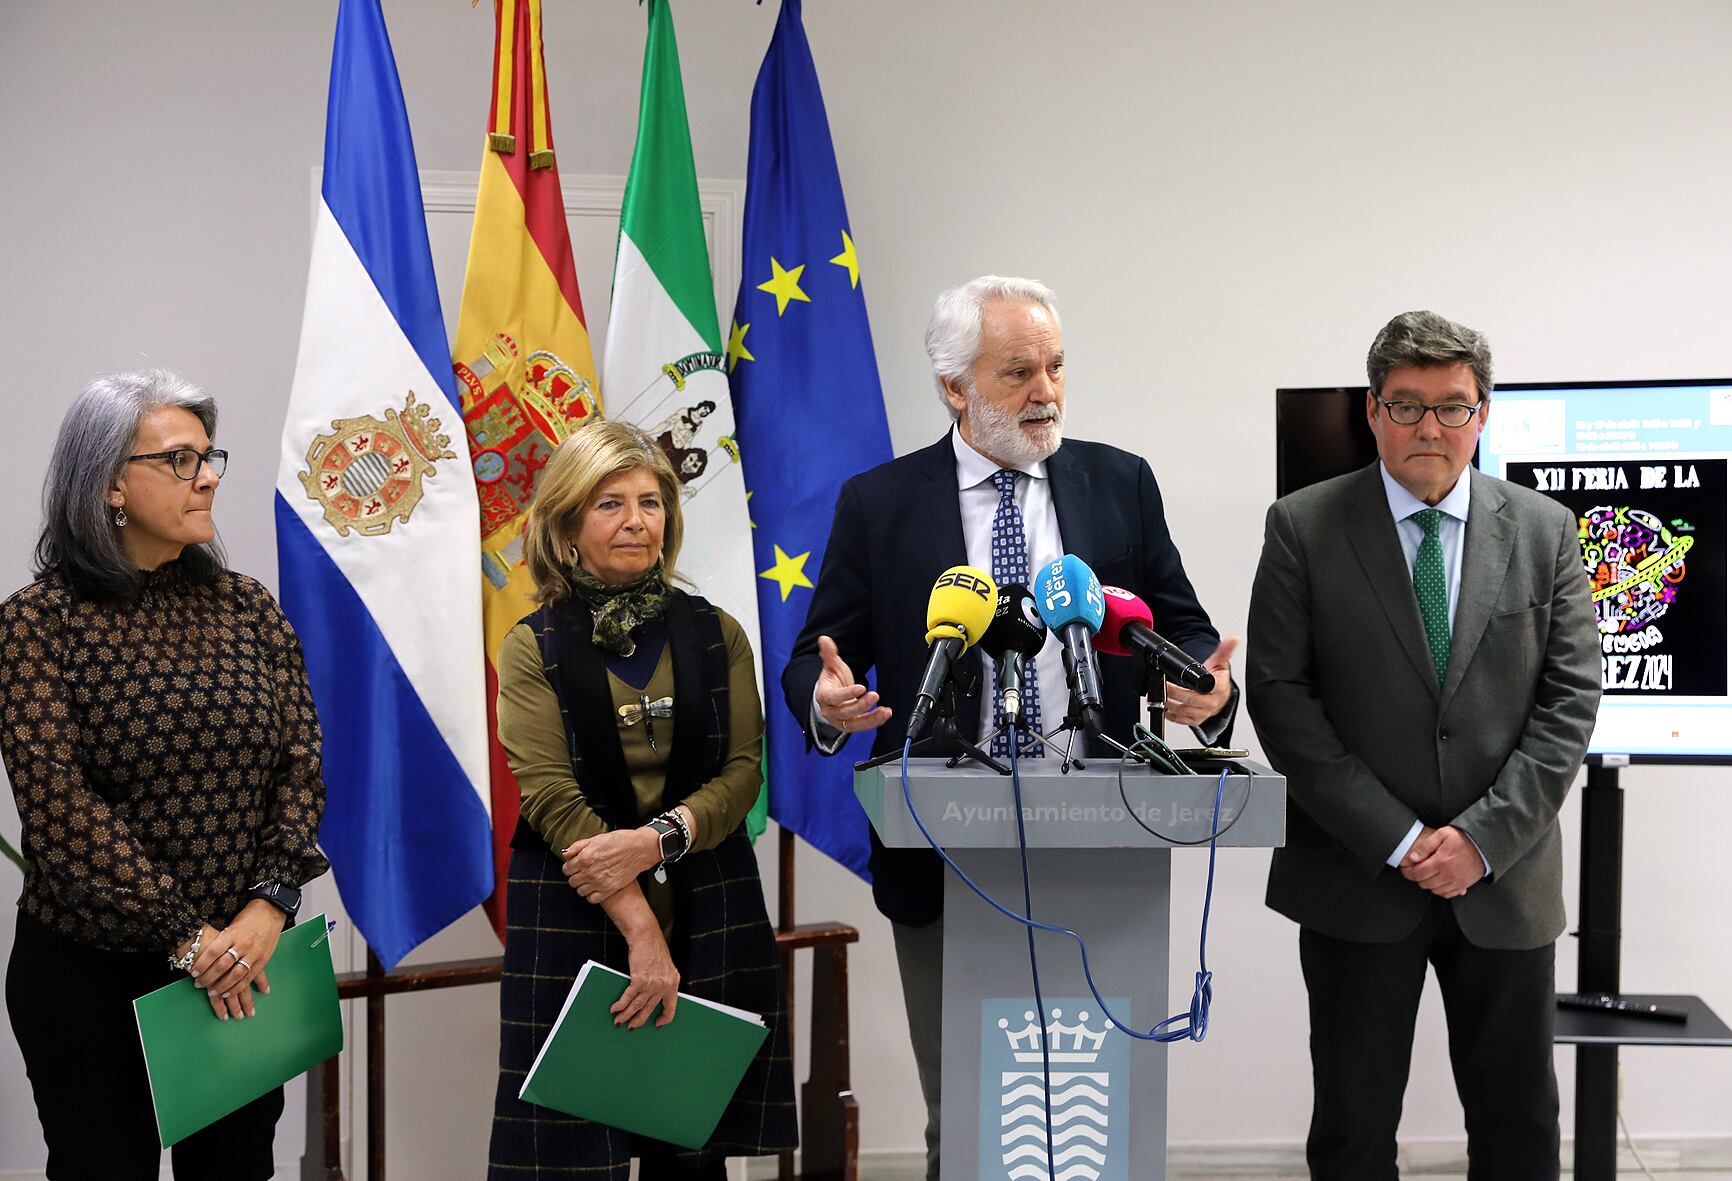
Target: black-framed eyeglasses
1450,414
186,462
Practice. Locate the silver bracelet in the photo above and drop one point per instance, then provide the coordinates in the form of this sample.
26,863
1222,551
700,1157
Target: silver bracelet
678,819
184,963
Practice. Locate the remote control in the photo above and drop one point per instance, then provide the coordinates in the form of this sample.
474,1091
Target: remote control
1605,1002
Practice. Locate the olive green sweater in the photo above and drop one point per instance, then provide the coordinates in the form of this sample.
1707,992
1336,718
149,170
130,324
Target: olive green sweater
533,735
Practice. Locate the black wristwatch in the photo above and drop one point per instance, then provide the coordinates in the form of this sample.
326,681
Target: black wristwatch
671,837
285,898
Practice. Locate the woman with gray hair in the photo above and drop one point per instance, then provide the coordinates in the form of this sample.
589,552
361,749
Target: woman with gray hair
163,749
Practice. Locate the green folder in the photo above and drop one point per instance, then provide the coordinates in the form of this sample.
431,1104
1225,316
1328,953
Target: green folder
670,1083
201,1068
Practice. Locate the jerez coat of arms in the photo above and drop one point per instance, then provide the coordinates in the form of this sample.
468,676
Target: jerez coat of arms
367,473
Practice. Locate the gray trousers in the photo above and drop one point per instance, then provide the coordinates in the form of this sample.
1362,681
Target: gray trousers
920,961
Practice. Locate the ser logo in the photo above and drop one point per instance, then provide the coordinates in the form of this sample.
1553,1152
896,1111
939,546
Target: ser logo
963,580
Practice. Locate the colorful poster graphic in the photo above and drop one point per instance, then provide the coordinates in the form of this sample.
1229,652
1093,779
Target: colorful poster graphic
1653,535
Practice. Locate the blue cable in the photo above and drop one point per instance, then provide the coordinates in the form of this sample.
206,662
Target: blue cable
1196,1019
1033,961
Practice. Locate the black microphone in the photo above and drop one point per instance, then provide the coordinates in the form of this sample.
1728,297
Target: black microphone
1127,628
1016,634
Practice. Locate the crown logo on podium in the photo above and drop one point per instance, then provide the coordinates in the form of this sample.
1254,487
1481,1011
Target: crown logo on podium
1065,1043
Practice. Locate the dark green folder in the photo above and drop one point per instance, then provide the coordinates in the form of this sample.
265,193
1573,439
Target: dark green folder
201,1068
671,1083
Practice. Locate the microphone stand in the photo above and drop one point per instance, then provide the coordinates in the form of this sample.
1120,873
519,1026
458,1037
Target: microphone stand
943,741
1077,722
1155,694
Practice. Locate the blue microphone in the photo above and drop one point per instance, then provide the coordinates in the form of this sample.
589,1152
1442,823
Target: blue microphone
1070,601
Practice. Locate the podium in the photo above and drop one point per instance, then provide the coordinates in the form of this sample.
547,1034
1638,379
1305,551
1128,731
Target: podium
1095,870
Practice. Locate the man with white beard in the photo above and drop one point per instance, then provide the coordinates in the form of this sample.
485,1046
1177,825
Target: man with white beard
1006,492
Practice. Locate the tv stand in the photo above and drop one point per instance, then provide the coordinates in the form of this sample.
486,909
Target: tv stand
1597,1036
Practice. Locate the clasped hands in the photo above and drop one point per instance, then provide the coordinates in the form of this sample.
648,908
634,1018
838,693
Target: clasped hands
1443,860
601,866
231,962
598,868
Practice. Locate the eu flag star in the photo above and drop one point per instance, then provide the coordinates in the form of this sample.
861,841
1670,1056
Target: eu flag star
737,345
788,572
785,286
849,259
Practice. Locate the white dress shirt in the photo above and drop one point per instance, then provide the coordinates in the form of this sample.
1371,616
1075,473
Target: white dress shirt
978,499
1452,530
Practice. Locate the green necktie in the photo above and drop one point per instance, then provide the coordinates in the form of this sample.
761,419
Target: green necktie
1433,591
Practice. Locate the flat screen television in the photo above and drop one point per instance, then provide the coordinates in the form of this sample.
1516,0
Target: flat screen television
1644,466
1320,433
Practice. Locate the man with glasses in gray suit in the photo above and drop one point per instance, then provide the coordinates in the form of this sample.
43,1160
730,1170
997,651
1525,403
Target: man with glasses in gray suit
1423,666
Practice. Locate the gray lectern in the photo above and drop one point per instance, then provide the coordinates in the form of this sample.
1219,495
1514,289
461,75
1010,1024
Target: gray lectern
1095,870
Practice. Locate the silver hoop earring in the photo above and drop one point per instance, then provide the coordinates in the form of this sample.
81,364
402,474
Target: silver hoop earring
120,518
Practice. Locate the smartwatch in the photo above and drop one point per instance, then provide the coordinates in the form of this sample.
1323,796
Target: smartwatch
672,841
671,836
284,897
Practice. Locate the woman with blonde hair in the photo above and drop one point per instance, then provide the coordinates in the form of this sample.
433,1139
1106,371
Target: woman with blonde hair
629,711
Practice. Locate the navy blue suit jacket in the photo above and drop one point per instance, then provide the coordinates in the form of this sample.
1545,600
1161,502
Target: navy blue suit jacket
899,526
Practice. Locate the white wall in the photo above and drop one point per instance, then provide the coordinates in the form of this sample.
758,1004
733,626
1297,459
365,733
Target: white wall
1227,197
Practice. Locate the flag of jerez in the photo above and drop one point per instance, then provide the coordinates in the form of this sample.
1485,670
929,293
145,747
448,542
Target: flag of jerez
663,362
522,354
376,532
811,412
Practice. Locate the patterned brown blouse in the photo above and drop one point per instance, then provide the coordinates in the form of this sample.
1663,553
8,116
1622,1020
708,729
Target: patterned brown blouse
164,754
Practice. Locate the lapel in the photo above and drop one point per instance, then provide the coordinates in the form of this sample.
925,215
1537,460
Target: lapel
939,501
1371,531
1485,558
1072,502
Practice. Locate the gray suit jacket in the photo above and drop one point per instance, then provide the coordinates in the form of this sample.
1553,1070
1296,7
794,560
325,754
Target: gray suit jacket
1341,688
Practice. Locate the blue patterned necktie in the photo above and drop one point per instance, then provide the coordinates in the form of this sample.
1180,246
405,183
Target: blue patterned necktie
1431,587
1010,564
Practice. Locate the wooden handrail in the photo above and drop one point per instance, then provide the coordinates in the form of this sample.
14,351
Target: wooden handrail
451,974
830,1119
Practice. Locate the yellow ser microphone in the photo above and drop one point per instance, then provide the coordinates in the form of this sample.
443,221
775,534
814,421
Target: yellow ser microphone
958,613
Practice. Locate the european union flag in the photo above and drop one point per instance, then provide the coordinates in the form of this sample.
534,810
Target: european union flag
809,407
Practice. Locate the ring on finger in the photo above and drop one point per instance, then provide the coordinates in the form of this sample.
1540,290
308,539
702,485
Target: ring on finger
233,952
244,966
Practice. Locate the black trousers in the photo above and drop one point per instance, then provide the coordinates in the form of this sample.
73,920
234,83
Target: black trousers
1499,1006
665,1166
71,1010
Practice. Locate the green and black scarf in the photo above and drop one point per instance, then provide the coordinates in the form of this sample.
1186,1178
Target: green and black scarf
618,609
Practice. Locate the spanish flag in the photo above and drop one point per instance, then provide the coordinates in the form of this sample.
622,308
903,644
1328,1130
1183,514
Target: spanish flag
522,355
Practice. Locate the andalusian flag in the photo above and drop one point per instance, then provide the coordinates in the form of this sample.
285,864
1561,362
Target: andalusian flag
522,354
663,363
